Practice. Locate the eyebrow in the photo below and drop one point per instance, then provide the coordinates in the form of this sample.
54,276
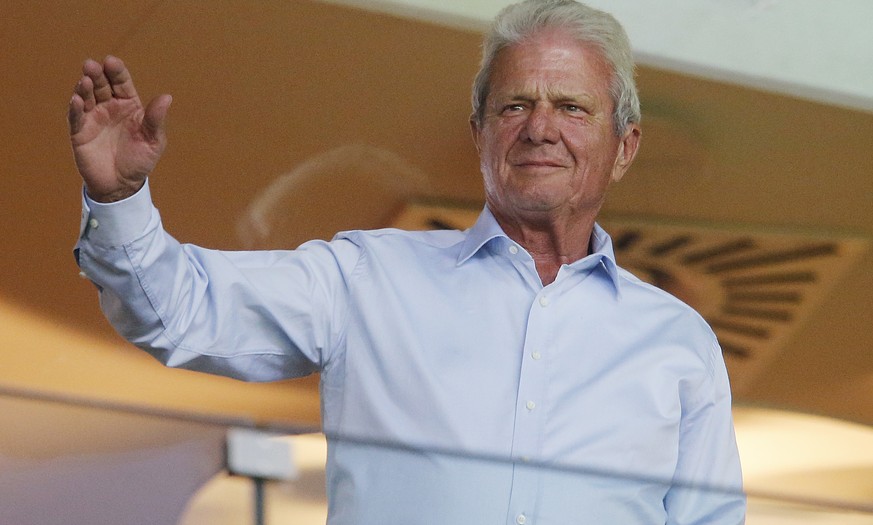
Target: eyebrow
582,99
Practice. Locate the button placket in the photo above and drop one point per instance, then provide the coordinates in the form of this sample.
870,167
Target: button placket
530,412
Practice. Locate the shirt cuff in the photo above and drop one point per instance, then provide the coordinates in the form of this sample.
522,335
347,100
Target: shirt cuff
116,223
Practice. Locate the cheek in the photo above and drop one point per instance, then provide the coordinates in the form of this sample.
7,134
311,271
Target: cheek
596,155
491,156
500,139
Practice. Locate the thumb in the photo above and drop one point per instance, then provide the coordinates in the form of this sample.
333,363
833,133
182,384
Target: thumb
155,117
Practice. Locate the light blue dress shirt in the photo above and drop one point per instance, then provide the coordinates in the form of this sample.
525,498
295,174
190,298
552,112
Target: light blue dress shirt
455,387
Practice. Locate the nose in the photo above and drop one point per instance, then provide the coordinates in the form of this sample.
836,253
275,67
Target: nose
541,126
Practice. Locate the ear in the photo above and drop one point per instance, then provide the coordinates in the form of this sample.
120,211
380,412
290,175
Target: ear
476,131
627,150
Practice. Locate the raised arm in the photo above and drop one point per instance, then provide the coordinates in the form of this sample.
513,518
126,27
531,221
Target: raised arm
116,141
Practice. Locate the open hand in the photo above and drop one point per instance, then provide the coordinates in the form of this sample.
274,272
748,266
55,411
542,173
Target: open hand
116,141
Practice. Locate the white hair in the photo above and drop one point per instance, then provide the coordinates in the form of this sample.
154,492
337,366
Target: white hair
588,25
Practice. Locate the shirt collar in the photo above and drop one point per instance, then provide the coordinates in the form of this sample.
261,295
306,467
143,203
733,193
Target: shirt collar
486,229
601,244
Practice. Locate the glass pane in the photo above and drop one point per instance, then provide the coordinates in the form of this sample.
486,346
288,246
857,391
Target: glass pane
64,462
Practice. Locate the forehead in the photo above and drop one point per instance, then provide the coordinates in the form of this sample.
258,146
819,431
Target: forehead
551,60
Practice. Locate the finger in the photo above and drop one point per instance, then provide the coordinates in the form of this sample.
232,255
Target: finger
75,113
85,90
119,77
155,117
101,87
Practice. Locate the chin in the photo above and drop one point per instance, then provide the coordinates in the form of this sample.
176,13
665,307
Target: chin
538,206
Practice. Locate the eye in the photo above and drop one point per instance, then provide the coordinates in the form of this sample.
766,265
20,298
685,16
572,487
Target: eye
572,108
513,108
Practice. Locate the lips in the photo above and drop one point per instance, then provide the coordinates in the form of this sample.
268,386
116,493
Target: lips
532,163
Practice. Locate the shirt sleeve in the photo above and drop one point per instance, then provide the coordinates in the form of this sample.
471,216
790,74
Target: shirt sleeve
256,316
707,486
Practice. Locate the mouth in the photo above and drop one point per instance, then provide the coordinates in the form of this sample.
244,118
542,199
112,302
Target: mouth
538,164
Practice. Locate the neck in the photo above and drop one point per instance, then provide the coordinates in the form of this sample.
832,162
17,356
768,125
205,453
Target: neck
551,242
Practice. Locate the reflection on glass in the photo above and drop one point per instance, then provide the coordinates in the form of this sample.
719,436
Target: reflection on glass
349,187
63,461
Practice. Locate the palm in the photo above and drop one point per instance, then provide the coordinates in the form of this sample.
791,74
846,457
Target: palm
116,142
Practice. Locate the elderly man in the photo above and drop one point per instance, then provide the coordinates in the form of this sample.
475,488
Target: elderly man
511,373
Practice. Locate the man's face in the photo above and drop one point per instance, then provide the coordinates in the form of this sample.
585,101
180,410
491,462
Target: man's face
546,142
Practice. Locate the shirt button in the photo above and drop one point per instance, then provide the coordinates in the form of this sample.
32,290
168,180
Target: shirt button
536,356
83,275
544,301
521,519
94,223
513,249
530,405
